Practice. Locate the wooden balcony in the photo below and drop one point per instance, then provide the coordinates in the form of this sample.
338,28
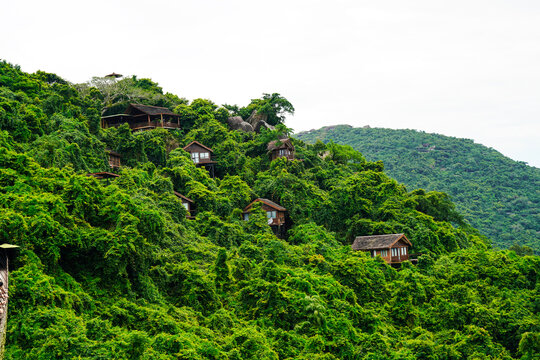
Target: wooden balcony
399,258
144,125
141,122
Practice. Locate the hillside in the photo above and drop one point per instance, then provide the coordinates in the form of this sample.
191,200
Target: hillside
498,196
114,269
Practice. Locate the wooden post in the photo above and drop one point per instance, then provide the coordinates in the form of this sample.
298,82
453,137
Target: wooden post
6,250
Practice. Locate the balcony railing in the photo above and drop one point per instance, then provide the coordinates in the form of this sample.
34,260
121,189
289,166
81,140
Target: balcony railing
153,124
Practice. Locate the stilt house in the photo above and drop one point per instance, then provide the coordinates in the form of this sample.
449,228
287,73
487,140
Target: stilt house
188,205
201,156
275,214
393,248
281,148
143,117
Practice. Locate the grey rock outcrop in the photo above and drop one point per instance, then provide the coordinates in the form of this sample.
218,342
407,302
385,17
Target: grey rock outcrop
255,122
263,124
236,123
258,121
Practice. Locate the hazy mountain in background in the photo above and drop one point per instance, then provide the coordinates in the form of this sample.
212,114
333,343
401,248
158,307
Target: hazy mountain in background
497,195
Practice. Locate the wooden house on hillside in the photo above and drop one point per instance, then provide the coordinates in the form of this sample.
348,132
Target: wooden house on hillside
201,156
188,205
275,214
393,248
143,117
281,148
114,159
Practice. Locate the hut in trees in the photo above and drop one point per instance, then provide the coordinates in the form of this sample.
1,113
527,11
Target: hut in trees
275,214
114,159
393,248
281,148
143,117
8,252
188,205
201,156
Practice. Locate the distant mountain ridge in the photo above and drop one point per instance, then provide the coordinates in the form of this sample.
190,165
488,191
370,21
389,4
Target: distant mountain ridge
497,195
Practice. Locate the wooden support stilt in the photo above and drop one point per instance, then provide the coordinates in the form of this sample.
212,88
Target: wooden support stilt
7,251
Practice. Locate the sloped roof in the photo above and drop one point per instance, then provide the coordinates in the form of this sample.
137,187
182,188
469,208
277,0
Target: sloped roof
103,175
183,197
373,242
197,143
267,202
112,152
11,250
280,144
151,110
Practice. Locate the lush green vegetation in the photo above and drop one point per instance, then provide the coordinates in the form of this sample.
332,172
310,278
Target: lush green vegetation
498,196
116,271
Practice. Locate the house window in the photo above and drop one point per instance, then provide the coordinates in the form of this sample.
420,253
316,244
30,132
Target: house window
186,205
114,161
283,152
394,252
384,253
403,251
271,214
195,157
246,217
205,155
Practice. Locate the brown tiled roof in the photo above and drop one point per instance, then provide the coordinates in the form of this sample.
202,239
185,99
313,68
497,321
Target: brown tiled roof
182,197
151,110
283,143
373,242
114,153
198,143
103,175
267,202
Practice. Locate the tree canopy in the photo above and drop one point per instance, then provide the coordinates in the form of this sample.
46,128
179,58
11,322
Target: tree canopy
495,194
114,269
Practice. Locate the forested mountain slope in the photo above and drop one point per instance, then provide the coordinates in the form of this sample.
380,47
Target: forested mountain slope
497,195
115,270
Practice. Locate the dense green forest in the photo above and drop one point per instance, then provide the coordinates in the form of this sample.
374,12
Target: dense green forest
497,195
114,270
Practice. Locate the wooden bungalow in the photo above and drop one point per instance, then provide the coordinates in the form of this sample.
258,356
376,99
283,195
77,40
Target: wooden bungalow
275,214
281,148
143,117
393,248
188,205
114,159
201,156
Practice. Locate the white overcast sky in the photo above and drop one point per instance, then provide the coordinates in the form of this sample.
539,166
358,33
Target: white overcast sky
464,68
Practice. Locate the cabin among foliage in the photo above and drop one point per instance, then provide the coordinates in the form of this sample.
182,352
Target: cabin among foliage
143,117
188,205
114,159
201,156
274,212
281,148
393,248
